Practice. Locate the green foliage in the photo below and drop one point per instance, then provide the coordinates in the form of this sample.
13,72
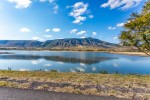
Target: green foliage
137,30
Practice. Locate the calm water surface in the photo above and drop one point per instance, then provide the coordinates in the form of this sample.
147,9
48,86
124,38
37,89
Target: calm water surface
88,62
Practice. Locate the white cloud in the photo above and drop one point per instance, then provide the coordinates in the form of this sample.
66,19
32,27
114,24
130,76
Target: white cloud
37,38
50,1
25,30
21,3
55,5
81,33
91,16
47,30
120,24
76,21
111,28
48,36
80,12
94,33
122,4
79,19
43,0
73,31
83,37
56,29
115,38
117,25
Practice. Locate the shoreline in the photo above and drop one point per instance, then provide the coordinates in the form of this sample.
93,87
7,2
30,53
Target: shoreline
5,53
117,85
131,53
111,52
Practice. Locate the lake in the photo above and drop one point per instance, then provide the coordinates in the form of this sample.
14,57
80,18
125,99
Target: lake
65,61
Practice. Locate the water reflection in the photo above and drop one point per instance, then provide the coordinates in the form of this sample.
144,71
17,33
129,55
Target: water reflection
58,59
88,62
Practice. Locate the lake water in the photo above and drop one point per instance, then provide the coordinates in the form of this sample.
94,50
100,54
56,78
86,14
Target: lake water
88,62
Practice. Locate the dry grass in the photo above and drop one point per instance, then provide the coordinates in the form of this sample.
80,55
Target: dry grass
123,86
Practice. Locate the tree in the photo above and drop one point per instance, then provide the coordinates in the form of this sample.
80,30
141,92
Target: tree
137,30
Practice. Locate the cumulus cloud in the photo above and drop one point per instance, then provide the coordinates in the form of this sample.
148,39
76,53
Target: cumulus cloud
80,12
117,25
56,29
81,33
120,24
73,31
111,28
55,8
48,36
83,37
91,16
115,38
21,3
47,30
55,5
50,1
25,30
94,33
37,38
121,4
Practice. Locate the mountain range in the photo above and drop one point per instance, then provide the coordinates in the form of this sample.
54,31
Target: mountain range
57,43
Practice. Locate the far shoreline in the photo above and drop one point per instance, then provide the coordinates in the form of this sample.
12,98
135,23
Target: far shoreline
131,53
111,52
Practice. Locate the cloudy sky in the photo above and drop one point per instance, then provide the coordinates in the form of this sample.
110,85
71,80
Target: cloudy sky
55,19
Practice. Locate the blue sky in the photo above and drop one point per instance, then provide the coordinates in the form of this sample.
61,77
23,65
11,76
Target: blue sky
55,19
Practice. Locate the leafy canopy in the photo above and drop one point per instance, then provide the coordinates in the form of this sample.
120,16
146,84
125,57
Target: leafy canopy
137,30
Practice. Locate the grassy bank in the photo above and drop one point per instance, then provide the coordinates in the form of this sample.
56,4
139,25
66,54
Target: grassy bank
123,86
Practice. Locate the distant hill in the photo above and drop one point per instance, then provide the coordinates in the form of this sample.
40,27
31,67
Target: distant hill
57,43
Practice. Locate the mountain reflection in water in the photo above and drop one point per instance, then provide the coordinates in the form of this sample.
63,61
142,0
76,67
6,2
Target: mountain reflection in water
90,60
